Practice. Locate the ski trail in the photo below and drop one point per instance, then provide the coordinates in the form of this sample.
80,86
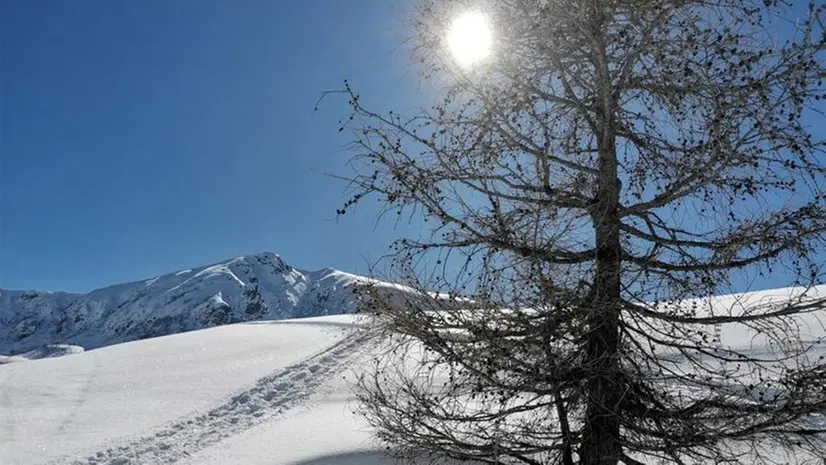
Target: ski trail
6,406
267,398
81,397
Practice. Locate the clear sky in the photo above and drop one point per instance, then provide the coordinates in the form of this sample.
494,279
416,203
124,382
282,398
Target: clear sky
138,137
144,136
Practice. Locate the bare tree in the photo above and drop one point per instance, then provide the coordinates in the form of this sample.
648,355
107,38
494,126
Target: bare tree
612,167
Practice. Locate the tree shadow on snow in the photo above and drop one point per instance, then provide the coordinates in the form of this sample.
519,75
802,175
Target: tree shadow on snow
364,458
303,323
349,458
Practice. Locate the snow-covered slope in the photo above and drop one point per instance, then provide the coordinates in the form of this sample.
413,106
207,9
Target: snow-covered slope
162,399
47,351
256,393
248,288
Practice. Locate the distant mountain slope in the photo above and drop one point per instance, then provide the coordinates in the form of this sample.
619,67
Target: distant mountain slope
254,287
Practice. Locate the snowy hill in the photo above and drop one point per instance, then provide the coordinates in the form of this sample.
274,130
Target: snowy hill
162,400
248,288
254,393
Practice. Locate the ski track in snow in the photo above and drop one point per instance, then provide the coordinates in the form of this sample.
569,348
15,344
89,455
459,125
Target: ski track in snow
80,401
267,398
5,406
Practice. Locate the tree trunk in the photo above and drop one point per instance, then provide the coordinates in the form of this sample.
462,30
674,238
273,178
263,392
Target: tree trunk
600,444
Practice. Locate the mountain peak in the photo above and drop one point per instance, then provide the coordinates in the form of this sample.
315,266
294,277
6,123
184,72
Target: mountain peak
270,258
261,286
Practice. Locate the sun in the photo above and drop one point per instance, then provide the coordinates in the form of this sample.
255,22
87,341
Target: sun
470,38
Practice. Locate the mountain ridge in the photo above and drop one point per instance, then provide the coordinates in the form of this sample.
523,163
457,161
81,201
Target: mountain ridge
260,286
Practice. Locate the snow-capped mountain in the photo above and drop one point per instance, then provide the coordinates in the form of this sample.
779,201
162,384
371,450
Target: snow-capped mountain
253,287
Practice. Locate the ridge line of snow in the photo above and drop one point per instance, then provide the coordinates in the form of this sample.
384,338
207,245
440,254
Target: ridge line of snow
252,287
269,397
220,268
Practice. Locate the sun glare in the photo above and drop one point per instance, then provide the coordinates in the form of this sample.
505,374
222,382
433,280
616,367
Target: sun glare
470,38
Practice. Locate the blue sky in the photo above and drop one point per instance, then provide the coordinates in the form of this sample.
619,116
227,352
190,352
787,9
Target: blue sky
144,136
138,137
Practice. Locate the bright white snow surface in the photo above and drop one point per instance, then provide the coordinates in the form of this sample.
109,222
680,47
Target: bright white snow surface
158,400
258,393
